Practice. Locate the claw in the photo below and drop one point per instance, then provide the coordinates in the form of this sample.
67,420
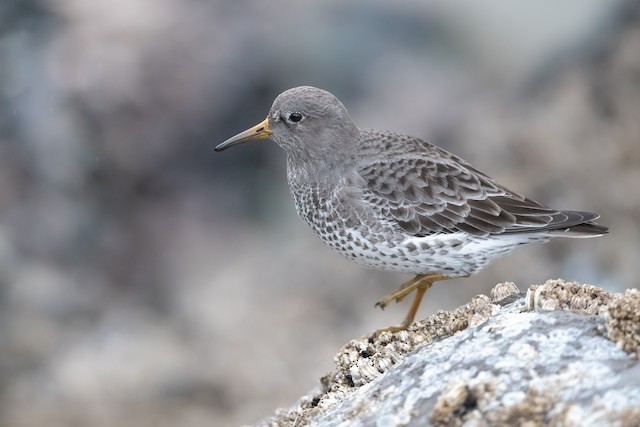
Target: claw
383,303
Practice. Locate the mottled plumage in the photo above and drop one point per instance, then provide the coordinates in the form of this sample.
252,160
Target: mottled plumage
394,202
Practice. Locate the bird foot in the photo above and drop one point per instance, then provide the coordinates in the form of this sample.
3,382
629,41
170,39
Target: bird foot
405,289
382,304
420,284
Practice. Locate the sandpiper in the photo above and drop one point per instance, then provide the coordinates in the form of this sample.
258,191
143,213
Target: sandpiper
395,202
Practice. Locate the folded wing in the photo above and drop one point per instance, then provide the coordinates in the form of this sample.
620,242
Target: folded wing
437,192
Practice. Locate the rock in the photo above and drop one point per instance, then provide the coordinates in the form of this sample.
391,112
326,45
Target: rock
563,354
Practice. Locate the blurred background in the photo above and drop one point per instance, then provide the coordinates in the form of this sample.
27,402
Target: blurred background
147,281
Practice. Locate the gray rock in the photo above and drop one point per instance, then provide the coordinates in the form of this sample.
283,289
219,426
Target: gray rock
563,354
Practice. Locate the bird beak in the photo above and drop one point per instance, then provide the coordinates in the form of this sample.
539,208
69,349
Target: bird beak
259,131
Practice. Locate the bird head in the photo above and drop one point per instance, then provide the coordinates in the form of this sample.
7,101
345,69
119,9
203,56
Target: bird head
310,124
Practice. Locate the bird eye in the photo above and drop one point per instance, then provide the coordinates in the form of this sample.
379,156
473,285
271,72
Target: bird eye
295,117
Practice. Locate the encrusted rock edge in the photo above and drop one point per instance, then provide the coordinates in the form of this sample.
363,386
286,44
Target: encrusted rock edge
530,364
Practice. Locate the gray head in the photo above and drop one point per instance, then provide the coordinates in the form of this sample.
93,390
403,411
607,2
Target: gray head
310,124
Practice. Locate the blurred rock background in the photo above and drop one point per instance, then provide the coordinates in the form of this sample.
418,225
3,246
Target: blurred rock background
146,281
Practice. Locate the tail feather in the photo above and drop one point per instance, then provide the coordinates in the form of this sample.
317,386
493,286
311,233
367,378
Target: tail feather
578,225
580,231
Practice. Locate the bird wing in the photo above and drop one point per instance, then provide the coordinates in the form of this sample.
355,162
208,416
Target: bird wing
425,190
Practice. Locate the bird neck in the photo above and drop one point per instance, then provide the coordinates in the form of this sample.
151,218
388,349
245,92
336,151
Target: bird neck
326,160
318,172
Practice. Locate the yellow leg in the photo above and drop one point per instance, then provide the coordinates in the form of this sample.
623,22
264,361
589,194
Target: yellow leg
399,294
421,283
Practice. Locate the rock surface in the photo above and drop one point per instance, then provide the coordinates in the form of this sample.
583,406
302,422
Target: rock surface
563,354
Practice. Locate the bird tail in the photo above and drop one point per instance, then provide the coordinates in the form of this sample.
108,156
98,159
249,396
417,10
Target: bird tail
580,225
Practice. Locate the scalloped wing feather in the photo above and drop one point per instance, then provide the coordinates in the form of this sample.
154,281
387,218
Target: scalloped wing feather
425,190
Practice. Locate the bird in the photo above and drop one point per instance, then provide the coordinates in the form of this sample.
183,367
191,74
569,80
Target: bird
394,202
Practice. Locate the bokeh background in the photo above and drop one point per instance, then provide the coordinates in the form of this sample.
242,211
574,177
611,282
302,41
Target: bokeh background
147,281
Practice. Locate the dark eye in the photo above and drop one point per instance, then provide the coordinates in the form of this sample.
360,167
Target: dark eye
295,117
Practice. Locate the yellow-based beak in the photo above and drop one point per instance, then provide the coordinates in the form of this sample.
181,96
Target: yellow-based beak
259,131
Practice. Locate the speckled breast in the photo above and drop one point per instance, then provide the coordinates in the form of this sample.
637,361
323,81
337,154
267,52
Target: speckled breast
375,243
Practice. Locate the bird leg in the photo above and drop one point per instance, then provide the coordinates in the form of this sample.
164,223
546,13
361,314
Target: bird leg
421,283
421,280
